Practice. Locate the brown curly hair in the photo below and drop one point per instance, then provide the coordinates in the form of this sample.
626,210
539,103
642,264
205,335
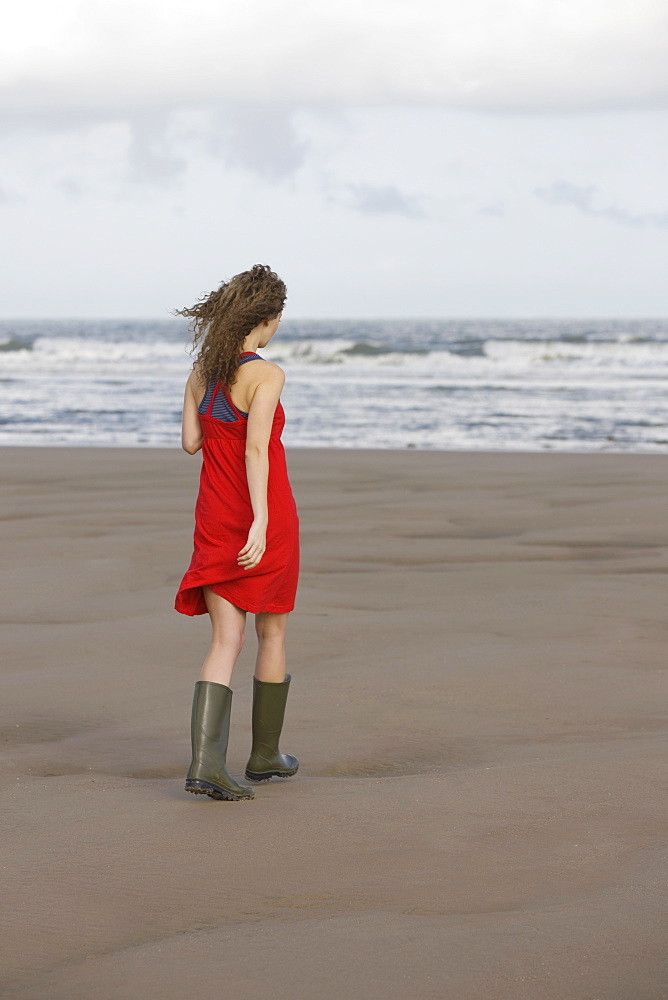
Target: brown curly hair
223,319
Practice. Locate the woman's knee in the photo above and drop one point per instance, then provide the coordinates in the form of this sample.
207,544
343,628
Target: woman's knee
230,639
270,626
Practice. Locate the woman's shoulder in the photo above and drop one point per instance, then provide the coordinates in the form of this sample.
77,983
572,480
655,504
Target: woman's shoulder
195,378
265,370
196,385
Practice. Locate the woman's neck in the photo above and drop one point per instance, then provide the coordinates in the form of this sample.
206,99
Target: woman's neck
251,344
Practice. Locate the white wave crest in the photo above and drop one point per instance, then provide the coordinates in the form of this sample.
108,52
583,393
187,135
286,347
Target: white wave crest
76,352
318,352
342,357
624,355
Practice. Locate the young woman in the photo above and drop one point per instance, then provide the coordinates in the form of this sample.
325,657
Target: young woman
246,544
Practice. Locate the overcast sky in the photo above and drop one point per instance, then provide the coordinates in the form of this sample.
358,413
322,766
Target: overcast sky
494,158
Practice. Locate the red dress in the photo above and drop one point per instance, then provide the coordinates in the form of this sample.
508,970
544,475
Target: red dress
224,514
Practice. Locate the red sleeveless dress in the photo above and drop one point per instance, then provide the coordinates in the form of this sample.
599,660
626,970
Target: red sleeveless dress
224,514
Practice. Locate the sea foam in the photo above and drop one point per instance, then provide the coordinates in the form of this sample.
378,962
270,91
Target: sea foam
493,384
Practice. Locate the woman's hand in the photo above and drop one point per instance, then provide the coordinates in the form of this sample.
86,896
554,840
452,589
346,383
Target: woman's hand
255,547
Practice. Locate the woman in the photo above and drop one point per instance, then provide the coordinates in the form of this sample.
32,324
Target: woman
246,544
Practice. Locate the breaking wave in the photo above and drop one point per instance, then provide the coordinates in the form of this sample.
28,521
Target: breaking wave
520,385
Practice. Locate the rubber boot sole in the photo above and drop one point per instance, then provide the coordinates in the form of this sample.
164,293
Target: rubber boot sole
198,787
266,775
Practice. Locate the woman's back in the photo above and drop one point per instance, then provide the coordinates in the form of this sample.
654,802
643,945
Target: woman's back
241,392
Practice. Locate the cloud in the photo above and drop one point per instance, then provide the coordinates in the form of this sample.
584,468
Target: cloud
249,72
8,197
495,209
259,137
583,198
70,188
121,57
150,155
389,200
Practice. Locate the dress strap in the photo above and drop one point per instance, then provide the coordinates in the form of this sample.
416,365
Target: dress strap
213,396
213,391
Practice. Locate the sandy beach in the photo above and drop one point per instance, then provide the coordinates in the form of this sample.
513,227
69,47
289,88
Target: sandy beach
478,704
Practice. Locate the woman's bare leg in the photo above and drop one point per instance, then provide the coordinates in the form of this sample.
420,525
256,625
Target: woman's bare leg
228,625
270,661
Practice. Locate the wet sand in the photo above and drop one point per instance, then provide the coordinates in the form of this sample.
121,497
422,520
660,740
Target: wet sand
478,704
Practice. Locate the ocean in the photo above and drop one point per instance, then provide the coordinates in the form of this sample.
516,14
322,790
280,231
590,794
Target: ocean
493,385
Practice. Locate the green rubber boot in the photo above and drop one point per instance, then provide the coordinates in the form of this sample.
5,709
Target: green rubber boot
210,730
265,761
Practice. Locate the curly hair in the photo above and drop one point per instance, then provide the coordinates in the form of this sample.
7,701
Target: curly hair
223,319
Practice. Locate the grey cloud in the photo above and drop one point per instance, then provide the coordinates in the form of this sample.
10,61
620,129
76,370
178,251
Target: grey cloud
258,137
261,138
495,209
387,200
479,55
70,188
151,157
9,197
583,198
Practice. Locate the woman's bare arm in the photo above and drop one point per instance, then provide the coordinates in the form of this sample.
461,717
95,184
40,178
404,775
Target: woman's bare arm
260,420
191,428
